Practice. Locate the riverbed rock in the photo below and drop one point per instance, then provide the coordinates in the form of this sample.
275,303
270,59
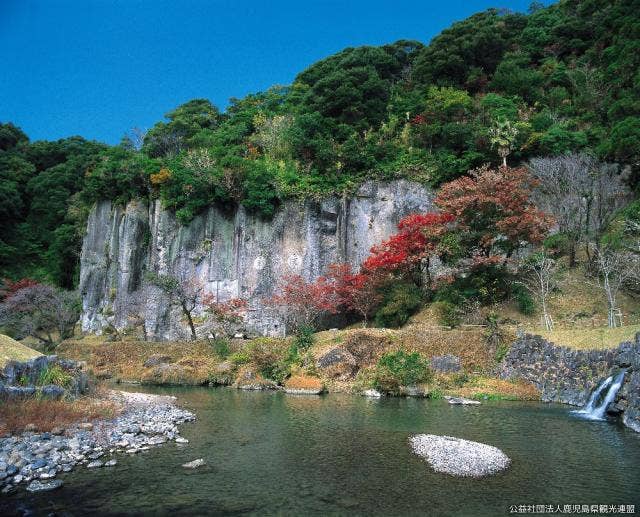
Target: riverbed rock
414,391
304,391
194,464
461,401
181,440
459,457
372,393
44,486
52,392
33,456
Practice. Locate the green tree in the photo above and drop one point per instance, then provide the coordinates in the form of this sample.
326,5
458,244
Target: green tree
169,138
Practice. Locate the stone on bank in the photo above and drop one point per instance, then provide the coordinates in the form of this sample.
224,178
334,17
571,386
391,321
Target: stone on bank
36,458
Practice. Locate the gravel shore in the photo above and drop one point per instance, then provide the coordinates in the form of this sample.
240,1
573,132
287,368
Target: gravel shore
36,459
459,457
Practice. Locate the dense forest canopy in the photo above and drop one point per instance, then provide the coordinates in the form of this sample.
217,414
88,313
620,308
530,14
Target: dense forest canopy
496,86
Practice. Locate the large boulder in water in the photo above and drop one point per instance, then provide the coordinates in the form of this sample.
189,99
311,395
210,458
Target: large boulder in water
459,457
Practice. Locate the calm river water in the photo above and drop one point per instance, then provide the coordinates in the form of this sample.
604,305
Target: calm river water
269,453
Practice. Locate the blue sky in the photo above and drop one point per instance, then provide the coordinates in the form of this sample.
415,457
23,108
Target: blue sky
97,68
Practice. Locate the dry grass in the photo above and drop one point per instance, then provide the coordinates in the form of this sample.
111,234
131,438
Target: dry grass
491,388
577,303
470,345
304,382
12,350
368,344
592,339
191,362
47,414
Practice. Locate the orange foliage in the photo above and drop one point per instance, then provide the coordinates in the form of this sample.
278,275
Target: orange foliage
161,177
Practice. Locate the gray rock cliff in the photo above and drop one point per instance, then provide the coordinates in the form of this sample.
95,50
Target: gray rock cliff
232,255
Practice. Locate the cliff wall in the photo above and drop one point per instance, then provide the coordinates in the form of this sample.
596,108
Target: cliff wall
232,255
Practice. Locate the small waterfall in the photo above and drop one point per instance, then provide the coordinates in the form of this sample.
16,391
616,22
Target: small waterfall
597,405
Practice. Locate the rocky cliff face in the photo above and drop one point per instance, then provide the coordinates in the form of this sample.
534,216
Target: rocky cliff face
232,255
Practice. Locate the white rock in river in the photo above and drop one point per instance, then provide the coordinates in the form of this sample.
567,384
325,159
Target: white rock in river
372,393
459,457
44,486
461,401
194,464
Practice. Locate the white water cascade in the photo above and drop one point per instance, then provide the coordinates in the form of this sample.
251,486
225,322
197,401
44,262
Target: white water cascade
597,404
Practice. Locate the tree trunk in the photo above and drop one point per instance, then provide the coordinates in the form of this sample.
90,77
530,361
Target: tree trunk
192,327
572,255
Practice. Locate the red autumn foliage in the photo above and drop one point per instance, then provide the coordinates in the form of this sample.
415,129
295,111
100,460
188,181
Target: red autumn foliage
493,210
10,287
224,315
303,303
417,238
356,292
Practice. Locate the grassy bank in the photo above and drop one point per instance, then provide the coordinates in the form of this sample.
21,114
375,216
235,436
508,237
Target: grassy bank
196,363
124,361
12,350
592,338
268,360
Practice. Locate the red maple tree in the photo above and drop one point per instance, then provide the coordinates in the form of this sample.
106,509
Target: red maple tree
494,213
355,292
303,303
224,315
417,239
10,287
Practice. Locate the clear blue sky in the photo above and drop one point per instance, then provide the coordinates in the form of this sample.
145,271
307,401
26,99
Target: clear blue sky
97,68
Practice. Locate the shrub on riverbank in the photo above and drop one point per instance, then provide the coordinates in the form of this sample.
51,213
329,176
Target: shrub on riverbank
399,304
396,369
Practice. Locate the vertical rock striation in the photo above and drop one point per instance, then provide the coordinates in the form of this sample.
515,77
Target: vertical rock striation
232,255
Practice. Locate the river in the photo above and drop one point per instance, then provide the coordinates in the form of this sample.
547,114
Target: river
269,453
